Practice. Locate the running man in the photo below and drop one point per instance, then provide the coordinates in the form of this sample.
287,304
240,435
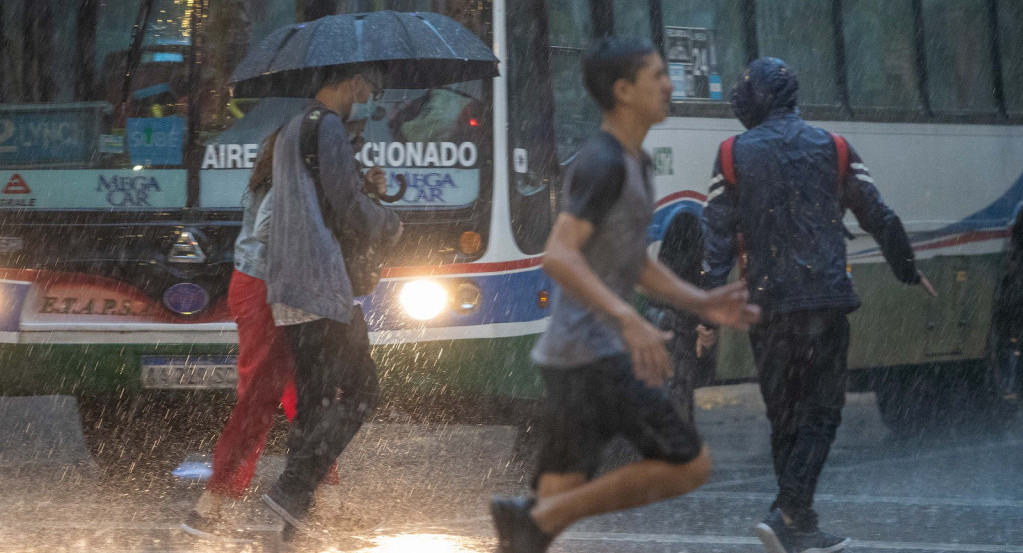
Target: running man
602,363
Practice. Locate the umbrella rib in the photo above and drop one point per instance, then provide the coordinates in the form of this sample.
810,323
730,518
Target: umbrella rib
280,48
408,35
358,39
436,32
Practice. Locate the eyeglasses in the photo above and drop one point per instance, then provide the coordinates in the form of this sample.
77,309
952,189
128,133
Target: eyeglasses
376,87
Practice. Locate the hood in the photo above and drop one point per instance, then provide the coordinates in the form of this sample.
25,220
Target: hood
768,84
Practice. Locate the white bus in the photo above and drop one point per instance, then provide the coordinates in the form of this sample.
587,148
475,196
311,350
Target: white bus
124,243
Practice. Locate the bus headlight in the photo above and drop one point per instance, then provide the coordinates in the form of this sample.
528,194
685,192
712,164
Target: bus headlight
423,299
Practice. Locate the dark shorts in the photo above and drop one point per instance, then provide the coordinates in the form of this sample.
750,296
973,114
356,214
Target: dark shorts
589,405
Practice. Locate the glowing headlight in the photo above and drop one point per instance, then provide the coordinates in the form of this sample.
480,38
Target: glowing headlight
423,299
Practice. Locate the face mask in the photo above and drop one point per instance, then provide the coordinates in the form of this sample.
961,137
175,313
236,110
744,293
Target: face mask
362,110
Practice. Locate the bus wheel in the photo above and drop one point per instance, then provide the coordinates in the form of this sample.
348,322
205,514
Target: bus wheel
929,400
1004,370
905,400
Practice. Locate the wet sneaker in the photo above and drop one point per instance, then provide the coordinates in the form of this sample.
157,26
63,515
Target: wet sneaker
211,528
517,532
819,542
779,537
291,509
200,526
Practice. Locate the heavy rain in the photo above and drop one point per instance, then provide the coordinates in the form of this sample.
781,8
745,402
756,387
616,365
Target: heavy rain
465,276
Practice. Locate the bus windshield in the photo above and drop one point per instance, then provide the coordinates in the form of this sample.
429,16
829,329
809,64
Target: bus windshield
432,139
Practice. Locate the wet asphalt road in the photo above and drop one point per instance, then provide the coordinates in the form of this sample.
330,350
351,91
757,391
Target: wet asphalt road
424,488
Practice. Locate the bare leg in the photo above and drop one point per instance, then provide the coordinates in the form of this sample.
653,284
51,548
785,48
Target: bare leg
566,498
553,483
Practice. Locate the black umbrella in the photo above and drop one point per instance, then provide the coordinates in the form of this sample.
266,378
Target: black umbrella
420,49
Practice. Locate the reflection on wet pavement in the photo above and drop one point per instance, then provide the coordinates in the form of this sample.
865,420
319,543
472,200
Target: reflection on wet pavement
423,487
422,543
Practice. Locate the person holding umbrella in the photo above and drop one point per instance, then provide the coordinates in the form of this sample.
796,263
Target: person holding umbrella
308,286
320,209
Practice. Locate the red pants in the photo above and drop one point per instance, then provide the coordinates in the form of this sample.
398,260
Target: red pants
265,371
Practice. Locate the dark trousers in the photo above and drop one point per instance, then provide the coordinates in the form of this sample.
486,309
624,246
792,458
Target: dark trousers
337,387
801,360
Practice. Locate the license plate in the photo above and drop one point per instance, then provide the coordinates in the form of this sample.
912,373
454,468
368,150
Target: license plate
189,372
11,244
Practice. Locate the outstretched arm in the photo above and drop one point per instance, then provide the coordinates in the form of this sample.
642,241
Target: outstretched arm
720,221
861,197
725,305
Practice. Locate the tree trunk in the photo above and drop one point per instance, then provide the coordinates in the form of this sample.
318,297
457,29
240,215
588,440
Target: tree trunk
85,51
37,82
46,28
5,68
28,51
226,35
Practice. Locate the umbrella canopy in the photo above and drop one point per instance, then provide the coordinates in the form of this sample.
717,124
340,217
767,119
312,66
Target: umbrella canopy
420,50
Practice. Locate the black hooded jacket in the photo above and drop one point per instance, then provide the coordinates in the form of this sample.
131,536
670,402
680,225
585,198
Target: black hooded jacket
788,204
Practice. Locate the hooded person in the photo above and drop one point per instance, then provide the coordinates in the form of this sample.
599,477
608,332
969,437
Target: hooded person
766,88
776,201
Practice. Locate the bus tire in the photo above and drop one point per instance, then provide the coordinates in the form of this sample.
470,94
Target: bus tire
936,399
1004,373
905,401
1003,369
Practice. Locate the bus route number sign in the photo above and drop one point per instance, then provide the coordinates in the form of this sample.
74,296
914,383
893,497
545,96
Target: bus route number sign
189,372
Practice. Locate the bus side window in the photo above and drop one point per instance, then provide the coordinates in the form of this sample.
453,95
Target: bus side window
576,116
1009,16
632,18
958,55
715,61
880,54
800,32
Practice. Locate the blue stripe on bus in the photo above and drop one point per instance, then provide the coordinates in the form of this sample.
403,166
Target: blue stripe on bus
504,298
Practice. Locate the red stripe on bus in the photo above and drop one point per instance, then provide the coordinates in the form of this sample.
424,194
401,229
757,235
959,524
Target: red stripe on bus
685,194
967,238
461,268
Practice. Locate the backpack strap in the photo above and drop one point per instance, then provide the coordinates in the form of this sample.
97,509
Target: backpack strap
309,142
727,159
842,153
309,149
842,149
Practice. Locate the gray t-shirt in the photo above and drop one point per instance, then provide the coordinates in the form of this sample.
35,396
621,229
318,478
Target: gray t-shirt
612,190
